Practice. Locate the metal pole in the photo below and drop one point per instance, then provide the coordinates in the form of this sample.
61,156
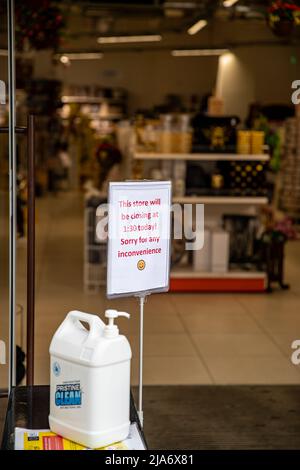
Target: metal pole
12,193
140,406
30,250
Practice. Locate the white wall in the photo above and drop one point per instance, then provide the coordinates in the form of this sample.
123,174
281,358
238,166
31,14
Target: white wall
252,74
261,74
235,84
148,76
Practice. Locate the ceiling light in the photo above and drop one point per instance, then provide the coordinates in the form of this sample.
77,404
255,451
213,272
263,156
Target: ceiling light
198,52
128,39
197,27
65,58
227,58
187,5
229,3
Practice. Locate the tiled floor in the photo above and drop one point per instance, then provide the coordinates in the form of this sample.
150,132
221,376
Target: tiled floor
189,339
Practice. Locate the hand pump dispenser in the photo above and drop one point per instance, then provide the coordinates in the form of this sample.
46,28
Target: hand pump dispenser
90,380
111,330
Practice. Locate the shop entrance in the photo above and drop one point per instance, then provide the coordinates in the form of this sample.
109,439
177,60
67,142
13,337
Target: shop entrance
131,91
6,140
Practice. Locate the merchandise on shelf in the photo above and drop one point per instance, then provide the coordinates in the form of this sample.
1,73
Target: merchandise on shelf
215,106
227,178
257,142
172,133
246,178
244,142
214,256
175,134
250,142
179,176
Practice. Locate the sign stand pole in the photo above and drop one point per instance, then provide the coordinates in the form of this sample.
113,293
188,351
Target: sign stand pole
140,405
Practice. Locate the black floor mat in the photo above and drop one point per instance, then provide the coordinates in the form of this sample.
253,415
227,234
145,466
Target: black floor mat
222,417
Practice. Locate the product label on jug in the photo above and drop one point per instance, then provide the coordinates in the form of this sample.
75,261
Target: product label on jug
68,395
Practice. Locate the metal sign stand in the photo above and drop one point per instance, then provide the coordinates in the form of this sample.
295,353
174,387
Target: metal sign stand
141,354
29,132
12,192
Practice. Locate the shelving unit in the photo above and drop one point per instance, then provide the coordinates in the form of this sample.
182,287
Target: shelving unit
96,101
89,100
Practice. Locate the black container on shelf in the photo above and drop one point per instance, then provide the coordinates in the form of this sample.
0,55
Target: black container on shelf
214,133
243,232
240,178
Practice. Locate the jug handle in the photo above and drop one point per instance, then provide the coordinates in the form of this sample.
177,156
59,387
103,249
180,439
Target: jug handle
92,320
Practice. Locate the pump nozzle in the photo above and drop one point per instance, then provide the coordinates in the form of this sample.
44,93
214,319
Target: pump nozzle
111,330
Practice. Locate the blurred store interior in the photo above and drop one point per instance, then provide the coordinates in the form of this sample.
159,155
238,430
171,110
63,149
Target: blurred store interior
199,92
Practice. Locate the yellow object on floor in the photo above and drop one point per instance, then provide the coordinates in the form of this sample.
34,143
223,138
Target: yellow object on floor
47,440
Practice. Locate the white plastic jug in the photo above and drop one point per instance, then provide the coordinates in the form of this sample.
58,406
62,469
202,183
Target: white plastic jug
90,380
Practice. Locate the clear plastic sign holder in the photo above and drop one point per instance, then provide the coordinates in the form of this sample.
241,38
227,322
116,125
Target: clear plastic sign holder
144,190
142,299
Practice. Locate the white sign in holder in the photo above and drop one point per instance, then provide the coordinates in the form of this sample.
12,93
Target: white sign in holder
138,261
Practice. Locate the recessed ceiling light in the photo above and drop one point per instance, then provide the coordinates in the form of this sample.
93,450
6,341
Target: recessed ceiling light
64,59
197,27
129,39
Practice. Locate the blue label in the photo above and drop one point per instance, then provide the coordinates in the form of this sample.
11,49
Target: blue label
68,395
56,369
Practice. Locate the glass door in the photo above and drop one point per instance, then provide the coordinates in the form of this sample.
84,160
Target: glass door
7,198
4,205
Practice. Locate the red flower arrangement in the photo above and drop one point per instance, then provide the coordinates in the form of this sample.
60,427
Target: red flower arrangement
283,16
38,22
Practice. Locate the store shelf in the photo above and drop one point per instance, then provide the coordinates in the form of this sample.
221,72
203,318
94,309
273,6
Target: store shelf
89,100
110,117
183,280
238,200
96,117
206,157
